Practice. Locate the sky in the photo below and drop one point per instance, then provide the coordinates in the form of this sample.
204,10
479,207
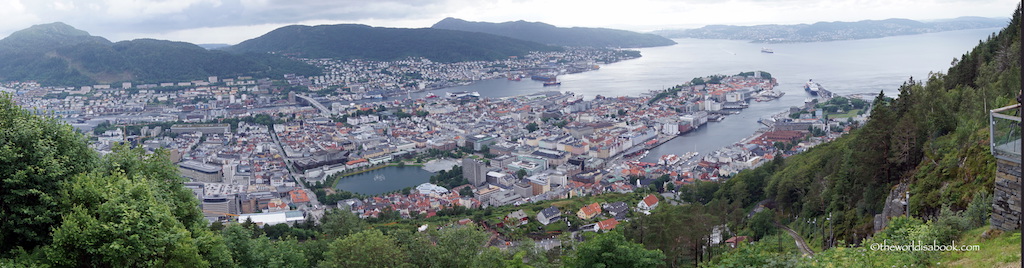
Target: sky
233,21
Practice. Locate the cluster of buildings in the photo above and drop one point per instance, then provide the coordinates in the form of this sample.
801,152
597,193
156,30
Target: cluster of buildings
544,146
360,79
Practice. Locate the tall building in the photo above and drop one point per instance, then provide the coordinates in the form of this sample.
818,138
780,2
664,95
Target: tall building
475,171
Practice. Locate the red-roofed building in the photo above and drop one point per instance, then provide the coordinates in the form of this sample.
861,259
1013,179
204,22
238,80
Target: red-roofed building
299,196
648,203
735,240
607,224
589,211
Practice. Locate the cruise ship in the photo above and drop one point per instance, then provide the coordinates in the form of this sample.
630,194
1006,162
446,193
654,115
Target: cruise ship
812,87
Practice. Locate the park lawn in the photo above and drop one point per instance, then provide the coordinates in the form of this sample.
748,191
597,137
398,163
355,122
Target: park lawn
848,114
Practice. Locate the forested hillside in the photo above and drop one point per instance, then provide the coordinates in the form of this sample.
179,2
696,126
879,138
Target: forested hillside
933,137
353,41
549,34
57,54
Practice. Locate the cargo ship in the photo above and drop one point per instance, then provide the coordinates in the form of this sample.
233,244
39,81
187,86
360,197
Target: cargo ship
812,87
552,83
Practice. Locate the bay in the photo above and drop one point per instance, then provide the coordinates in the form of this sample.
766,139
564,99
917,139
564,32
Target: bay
866,66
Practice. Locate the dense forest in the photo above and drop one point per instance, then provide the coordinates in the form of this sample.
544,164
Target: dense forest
353,41
57,54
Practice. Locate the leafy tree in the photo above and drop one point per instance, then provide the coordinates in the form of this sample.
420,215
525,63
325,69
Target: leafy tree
456,247
680,232
37,156
157,171
249,251
340,223
369,248
466,191
532,126
525,254
239,240
116,221
762,224
314,250
612,250
281,253
521,173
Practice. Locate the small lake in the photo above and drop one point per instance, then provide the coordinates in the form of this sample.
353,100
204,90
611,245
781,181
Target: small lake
384,180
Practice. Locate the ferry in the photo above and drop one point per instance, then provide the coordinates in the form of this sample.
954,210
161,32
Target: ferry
461,94
767,50
812,87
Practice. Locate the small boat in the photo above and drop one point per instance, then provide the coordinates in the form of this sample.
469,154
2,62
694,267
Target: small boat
431,96
552,83
767,50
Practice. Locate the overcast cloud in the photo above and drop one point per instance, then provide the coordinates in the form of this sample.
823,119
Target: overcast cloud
233,21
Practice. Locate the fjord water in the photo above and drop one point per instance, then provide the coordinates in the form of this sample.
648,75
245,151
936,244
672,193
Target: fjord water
843,67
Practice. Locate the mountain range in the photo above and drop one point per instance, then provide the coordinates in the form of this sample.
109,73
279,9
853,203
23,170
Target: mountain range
549,34
832,31
353,41
58,54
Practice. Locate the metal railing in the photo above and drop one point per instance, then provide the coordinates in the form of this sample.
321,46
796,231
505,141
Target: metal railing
1004,133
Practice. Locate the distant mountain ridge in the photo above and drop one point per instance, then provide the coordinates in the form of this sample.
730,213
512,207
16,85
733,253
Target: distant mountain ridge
833,31
58,54
549,34
354,41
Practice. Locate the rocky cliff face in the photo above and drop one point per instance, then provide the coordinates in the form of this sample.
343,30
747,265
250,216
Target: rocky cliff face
895,205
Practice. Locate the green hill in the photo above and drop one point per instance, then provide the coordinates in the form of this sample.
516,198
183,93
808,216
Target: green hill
351,41
933,138
58,54
549,34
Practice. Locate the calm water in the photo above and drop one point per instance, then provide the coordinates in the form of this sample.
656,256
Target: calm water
394,178
843,67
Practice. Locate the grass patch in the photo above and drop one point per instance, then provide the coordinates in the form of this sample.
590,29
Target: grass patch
1001,250
848,114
